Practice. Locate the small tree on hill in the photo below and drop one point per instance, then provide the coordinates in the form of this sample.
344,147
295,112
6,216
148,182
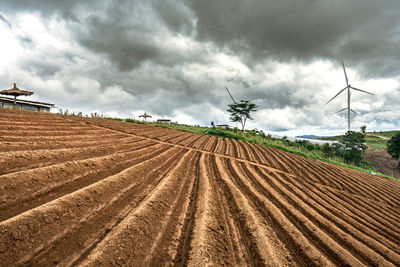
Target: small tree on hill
240,112
393,148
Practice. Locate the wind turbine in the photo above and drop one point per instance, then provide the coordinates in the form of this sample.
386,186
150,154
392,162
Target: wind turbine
230,95
348,87
232,99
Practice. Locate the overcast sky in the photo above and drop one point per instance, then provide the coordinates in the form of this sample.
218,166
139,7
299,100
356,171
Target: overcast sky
173,59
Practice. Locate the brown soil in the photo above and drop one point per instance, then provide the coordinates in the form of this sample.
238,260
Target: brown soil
95,192
383,162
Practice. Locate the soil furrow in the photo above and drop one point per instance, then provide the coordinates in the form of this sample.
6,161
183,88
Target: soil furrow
353,183
255,154
322,234
50,222
170,248
247,154
275,158
332,226
30,146
211,242
79,242
75,175
303,252
50,133
135,235
239,250
256,245
213,145
222,146
265,158
86,137
203,146
179,139
167,138
374,211
356,213
200,142
235,151
189,142
330,212
182,252
23,160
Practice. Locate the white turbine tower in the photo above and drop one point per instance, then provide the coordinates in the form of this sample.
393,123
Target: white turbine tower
348,87
230,95
232,99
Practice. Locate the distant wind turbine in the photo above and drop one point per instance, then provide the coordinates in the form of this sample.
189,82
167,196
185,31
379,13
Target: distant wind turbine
348,87
232,99
230,95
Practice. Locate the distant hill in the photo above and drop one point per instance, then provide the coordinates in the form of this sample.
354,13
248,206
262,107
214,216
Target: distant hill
310,136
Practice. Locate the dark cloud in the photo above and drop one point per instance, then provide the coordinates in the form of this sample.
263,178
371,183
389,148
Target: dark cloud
136,32
41,67
65,9
175,14
362,32
126,46
278,96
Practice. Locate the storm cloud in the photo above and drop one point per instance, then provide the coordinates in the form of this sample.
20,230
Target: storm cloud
365,33
173,58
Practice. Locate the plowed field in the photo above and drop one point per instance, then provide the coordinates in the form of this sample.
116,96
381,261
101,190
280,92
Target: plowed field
95,192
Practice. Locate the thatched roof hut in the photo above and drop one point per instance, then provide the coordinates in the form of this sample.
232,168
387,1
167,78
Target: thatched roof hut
15,91
145,116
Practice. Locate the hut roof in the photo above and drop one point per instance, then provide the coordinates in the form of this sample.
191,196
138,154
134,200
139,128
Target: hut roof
15,91
145,116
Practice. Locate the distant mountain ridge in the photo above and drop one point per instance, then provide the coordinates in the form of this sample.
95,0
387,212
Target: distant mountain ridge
311,136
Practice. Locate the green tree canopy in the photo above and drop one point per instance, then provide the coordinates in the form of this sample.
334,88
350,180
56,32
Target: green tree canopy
393,148
363,129
353,147
240,112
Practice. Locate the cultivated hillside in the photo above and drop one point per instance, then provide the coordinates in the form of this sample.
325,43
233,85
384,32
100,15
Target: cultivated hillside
93,192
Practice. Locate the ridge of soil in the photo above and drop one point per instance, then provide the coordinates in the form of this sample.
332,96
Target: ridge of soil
93,192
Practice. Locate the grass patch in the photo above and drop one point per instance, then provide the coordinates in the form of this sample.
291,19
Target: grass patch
375,142
387,134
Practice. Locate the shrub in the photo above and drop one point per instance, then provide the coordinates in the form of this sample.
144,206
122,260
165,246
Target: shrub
328,150
353,144
393,148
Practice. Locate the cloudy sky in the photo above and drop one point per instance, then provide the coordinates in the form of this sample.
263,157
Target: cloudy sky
173,58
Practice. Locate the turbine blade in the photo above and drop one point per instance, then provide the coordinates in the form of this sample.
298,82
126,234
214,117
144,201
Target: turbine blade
340,110
355,112
230,95
336,95
361,90
345,74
